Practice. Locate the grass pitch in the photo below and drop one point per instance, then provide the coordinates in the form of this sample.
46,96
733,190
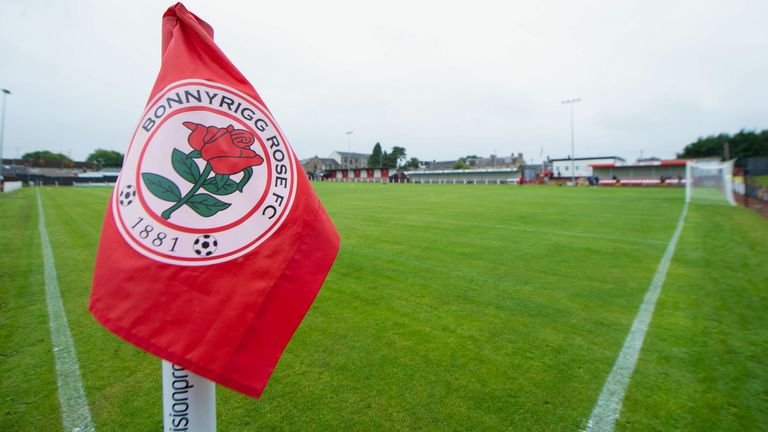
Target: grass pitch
449,308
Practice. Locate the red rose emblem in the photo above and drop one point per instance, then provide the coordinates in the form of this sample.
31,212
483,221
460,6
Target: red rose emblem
228,150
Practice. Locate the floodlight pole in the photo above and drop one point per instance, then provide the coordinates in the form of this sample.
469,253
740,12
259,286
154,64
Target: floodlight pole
6,92
573,152
349,147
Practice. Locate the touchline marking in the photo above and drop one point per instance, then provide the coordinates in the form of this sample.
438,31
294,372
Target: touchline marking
75,415
608,406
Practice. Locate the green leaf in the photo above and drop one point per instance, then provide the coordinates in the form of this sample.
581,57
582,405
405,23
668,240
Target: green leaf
161,187
184,166
221,180
207,205
213,187
194,154
247,174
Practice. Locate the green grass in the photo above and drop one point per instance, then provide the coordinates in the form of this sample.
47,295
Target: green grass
704,364
448,308
28,398
761,180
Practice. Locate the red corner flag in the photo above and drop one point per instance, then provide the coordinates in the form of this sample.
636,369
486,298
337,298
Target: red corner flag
214,244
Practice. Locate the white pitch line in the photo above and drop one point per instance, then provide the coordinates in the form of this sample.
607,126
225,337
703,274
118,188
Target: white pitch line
608,406
75,415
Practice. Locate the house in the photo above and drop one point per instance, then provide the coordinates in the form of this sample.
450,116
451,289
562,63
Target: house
582,167
316,166
440,165
495,161
349,160
330,169
491,162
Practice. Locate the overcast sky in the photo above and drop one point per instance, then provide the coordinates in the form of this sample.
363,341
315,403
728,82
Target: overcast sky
442,79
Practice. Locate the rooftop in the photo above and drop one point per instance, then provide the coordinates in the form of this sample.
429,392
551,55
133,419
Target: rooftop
588,158
644,163
463,171
353,154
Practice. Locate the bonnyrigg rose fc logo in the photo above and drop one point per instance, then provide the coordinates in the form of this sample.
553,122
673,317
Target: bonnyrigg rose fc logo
207,178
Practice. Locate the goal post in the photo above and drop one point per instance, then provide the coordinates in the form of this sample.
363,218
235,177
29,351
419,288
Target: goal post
709,182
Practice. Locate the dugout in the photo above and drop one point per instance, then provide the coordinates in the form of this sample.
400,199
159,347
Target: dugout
650,172
466,176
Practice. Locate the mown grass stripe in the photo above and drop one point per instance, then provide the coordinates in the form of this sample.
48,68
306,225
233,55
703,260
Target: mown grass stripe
510,227
608,406
75,414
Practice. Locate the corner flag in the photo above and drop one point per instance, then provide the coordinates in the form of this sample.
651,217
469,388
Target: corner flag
214,244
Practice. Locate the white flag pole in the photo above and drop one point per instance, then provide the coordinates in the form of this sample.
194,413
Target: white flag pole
189,401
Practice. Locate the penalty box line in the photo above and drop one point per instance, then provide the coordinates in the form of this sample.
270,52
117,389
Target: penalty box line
75,414
608,406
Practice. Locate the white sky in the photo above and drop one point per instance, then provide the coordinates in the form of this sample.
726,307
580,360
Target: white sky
442,79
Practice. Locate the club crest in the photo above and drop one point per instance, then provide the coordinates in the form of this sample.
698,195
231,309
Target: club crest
207,178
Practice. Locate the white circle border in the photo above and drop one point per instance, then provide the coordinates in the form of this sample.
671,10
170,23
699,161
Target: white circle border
266,234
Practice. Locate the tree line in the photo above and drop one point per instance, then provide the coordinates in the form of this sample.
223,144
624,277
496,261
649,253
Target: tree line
395,158
742,145
99,158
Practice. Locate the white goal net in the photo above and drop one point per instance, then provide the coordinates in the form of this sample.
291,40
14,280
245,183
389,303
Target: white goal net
709,182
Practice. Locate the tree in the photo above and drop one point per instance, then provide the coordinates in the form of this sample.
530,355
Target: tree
461,164
395,157
47,159
383,159
101,158
414,163
376,158
399,155
742,145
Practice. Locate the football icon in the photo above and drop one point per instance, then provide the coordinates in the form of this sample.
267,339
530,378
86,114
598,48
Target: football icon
205,245
127,195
